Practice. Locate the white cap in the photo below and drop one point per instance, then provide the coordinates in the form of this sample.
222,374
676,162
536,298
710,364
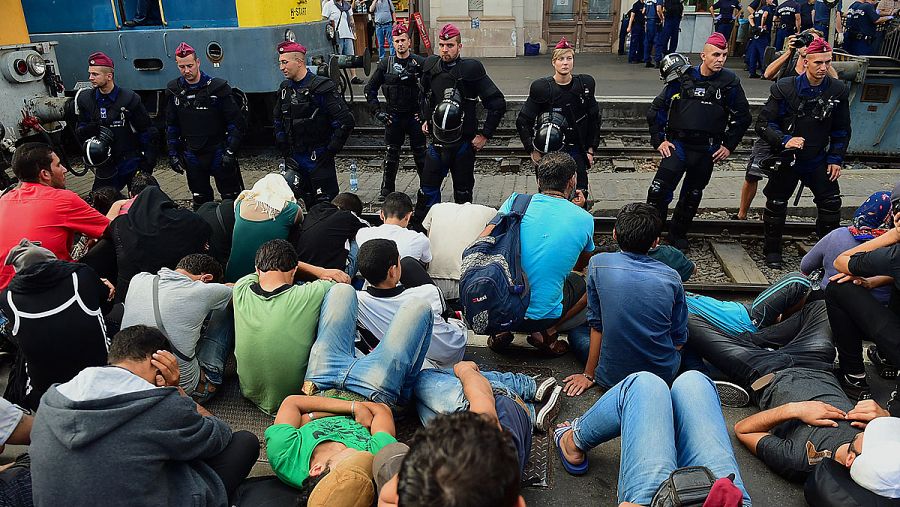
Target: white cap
877,468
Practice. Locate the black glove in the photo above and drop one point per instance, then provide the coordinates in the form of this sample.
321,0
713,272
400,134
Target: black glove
229,160
383,117
755,31
175,164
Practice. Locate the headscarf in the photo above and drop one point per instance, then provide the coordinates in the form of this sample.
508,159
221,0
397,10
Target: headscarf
271,194
872,218
27,253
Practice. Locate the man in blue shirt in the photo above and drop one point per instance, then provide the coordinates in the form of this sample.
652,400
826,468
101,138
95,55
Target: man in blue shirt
760,33
861,20
807,13
724,21
653,13
788,21
672,13
822,17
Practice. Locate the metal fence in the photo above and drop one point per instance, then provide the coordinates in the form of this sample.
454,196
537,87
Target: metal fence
891,45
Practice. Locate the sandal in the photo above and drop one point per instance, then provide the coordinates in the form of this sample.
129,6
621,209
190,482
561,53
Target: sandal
547,343
500,341
579,469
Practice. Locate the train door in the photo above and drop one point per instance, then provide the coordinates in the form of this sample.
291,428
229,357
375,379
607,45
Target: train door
588,24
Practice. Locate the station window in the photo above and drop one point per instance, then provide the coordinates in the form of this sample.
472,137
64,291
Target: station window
568,10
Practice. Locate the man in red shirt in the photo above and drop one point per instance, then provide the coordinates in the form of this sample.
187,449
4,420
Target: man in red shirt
41,209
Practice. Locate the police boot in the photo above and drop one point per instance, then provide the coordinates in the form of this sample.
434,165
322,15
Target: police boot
684,214
200,200
829,215
658,196
419,155
389,175
420,211
773,228
462,196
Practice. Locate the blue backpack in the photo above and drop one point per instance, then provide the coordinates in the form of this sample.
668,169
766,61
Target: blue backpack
493,289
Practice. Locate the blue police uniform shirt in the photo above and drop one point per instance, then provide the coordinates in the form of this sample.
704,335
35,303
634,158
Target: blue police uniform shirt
786,12
807,10
823,13
765,25
726,9
650,9
638,10
861,18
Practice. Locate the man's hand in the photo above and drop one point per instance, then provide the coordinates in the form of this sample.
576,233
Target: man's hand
363,414
167,374
535,156
576,384
590,157
112,289
862,281
864,412
383,117
425,127
665,149
479,142
176,165
464,366
834,172
335,275
795,143
229,160
579,199
817,413
721,154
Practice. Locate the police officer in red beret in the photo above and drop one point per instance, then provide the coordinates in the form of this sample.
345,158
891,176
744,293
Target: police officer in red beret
116,117
204,126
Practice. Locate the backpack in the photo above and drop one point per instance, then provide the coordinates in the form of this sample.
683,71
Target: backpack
493,288
673,8
687,486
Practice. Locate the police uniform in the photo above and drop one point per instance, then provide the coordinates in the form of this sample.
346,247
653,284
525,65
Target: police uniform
312,122
577,107
724,21
122,112
636,49
672,13
652,33
698,115
861,29
462,82
398,79
820,115
759,38
787,13
203,131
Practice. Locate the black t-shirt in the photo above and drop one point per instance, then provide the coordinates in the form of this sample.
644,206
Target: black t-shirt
220,217
638,10
516,422
807,12
325,236
726,9
884,261
794,447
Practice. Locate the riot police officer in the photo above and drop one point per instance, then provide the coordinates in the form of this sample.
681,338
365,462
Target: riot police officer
787,15
398,78
806,119
567,114
451,86
114,126
203,129
312,123
862,19
698,120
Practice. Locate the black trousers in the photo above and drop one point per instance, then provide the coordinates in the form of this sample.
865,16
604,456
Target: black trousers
695,163
235,461
405,125
856,315
413,273
459,161
200,165
826,193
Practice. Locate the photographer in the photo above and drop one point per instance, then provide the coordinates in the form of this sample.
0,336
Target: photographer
790,62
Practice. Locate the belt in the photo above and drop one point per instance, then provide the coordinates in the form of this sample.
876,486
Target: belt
385,23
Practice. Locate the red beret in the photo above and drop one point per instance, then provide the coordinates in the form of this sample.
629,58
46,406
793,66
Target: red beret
818,46
183,50
563,44
399,29
101,60
291,47
717,40
448,32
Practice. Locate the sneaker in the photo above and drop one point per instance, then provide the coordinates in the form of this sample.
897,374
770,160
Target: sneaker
857,389
547,414
544,386
731,395
357,81
885,369
774,260
380,199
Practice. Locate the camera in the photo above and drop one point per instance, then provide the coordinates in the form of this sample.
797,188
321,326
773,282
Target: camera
895,208
802,40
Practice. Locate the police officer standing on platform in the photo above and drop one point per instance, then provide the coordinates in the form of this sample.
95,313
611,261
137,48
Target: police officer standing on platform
562,114
312,123
451,86
204,126
114,126
806,121
698,120
398,76
787,15
862,19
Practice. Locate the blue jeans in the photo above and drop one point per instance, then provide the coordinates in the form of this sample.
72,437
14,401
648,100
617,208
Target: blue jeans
215,346
382,37
389,372
351,258
661,431
439,391
580,341
345,46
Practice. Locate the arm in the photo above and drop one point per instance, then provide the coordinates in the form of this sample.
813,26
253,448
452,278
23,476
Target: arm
477,390
658,114
374,84
797,23
679,319
494,105
322,273
281,137
382,419
583,259
631,20
526,118
342,121
295,406
594,119
234,120
739,112
768,125
842,263
752,429
173,130
80,217
143,126
840,130
813,259
776,65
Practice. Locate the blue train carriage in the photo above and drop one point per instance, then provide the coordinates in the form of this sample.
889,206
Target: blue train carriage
874,103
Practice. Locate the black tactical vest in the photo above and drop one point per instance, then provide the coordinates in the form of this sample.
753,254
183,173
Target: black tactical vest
117,117
810,118
699,109
304,120
401,84
199,113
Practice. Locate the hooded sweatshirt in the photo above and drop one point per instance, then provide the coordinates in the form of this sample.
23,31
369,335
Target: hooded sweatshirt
109,437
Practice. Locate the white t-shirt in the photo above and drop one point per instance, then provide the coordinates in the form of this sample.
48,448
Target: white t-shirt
409,243
377,308
451,229
342,19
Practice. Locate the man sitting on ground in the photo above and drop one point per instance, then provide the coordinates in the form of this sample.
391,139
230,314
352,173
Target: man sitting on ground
557,240
178,302
328,233
636,307
41,209
15,478
396,212
379,263
126,434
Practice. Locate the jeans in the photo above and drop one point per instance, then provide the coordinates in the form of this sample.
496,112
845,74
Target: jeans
351,258
383,37
215,347
345,47
388,373
580,341
661,431
803,340
855,315
439,391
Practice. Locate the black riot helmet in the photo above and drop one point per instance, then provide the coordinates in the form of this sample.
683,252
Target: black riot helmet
290,171
672,66
447,118
98,149
550,132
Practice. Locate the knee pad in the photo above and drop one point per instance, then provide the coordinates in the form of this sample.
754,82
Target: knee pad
659,192
830,204
429,195
693,197
462,196
775,208
392,154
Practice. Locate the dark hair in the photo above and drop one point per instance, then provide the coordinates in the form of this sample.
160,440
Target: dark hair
637,226
375,258
396,205
139,182
200,264
276,255
103,198
460,459
136,343
308,486
554,171
30,159
348,201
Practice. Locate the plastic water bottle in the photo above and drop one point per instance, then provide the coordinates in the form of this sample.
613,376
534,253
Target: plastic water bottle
354,177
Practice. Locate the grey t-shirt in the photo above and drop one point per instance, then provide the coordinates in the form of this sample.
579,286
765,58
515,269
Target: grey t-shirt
183,305
383,10
794,447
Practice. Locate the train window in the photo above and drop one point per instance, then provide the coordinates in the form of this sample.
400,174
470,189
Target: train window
214,52
148,64
876,92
